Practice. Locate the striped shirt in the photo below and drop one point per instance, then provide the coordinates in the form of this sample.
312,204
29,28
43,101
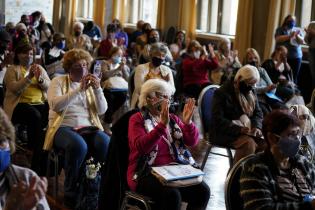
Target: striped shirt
263,186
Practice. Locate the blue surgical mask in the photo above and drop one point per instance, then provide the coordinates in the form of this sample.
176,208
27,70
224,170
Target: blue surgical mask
289,146
61,45
116,59
291,24
5,159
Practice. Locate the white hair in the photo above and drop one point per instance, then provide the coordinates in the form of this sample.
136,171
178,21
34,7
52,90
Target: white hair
78,24
153,86
247,72
20,27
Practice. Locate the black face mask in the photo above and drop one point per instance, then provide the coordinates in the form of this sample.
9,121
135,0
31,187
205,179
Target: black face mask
157,61
252,63
153,39
244,88
77,33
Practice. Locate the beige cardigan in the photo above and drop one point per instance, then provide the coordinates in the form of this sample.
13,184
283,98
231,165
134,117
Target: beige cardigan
15,85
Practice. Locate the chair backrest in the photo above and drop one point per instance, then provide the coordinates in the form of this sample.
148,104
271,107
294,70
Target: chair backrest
205,107
131,83
233,200
114,173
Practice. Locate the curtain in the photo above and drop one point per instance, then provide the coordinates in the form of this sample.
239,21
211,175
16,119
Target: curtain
161,15
278,10
56,14
243,36
71,8
119,10
187,17
99,13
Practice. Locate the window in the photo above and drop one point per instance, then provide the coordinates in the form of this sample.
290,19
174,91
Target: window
13,9
85,9
304,12
217,16
145,10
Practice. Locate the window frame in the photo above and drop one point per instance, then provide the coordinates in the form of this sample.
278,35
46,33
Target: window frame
219,21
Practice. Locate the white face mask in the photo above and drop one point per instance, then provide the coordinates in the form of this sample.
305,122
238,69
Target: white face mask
197,54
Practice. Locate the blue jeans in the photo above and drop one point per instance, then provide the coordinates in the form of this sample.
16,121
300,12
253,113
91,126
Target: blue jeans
311,59
295,64
76,148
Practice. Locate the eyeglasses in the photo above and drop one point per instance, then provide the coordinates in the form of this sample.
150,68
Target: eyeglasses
167,97
304,117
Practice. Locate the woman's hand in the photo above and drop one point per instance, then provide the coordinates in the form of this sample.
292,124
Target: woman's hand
188,110
93,81
34,71
256,132
26,197
165,117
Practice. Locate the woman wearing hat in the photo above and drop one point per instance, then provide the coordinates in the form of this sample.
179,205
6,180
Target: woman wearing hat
236,115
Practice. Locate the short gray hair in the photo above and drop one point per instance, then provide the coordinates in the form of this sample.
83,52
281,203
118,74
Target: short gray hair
153,86
78,24
158,47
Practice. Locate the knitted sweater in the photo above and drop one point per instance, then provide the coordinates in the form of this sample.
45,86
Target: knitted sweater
262,184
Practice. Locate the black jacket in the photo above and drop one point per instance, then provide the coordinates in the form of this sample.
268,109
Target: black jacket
225,108
114,174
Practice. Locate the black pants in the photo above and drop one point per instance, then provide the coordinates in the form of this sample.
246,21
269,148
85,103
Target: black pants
115,99
295,64
165,198
35,118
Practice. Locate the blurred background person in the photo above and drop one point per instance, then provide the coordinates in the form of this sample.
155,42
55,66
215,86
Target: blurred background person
292,38
20,187
78,39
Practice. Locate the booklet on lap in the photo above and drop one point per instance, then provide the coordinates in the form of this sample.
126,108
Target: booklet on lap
177,172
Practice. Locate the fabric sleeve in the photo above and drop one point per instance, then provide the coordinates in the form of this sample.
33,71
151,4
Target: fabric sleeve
138,81
223,124
190,132
257,117
139,139
100,102
14,85
57,101
257,190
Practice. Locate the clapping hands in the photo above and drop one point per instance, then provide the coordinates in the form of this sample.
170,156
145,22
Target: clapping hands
24,196
188,110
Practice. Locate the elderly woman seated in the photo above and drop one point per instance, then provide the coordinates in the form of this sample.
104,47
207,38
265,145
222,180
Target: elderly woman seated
115,75
236,115
158,138
279,178
307,129
265,89
228,62
151,70
196,67
20,187
79,99
79,40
